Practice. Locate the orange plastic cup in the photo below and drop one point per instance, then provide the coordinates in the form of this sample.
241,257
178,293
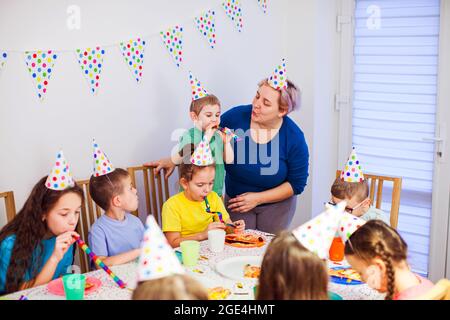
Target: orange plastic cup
337,250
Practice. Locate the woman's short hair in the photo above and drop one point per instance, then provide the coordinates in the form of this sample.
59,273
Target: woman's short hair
289,97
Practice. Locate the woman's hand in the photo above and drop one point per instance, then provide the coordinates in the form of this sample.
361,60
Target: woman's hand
63,243
165,163
244,202
240,226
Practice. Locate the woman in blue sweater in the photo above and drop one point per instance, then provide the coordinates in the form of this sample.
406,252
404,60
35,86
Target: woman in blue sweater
271,161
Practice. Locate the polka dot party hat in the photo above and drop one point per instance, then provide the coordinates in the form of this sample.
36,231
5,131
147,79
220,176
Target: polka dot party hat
173,40
91,63
202,155
263,5
196,88
60,178
352,171
317,234
157,259
206,24
278,80
40,65
133,53
233,10
3,57
102,165
349,224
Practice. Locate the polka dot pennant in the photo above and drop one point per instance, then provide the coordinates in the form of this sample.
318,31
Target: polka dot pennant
91,63
40,65
206,24
278,80
263,5
202,155
102,165
317,234
133,53
157,258
352,171
173,40
3,57
60,178
233,9
196,88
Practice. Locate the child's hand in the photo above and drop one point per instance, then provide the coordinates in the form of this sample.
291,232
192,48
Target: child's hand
212,226
210,130
226,138
63,243
240,226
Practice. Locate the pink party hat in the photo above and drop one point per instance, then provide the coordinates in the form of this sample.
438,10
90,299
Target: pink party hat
278,80
157,259
352,171
60,178
102,165
196,88
202,155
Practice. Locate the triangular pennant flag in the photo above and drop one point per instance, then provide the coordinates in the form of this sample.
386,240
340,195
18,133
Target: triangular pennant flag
102,165
196,88
133,52
40,65
352,171
278,80
173,40
317,234
91,63
60,178
206,24
202,155
263,5
157,259
233,10
3,57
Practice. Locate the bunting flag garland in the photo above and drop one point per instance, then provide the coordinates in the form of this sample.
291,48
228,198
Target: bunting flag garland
206,24
91,63
173,40
263,5
3,57
40,65
133,53
233,10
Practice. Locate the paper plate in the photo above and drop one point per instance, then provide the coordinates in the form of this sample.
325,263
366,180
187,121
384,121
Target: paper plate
56,286
233,268
343,280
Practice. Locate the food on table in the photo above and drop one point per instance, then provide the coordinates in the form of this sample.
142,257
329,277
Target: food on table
218,293
239,285
88,284
244,240
251,271
348,273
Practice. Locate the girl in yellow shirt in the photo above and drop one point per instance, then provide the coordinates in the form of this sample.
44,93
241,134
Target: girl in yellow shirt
190,214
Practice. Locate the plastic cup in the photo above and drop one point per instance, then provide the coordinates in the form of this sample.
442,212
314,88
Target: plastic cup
216,239
190,251
74,285
337,250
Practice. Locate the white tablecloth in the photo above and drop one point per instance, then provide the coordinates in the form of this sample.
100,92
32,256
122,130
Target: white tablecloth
203,272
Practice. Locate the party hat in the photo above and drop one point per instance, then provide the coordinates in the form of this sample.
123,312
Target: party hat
196,88
318,233
278,80
202,155
157,259
102,165
352,171
348,224
60,178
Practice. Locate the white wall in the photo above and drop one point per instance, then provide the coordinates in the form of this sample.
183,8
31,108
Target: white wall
133,123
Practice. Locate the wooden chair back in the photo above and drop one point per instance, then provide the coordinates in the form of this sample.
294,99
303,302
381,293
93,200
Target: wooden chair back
156,193
10,205
376,182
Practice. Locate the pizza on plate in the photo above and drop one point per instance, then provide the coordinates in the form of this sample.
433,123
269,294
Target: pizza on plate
251,271
244,240
348,273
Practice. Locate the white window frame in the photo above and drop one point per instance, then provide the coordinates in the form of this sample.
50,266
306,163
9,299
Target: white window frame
439,250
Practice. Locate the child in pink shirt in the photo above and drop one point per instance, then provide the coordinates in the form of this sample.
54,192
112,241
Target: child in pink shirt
379,254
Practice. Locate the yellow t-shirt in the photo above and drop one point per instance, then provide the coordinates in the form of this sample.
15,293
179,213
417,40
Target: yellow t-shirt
180,214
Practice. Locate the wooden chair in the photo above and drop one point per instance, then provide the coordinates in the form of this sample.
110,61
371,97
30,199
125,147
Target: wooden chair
440,291
155,193
376,182
90,212
9,205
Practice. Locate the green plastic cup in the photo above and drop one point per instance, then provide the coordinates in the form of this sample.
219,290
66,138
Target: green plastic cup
255,291
74,285
334,296
190,251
